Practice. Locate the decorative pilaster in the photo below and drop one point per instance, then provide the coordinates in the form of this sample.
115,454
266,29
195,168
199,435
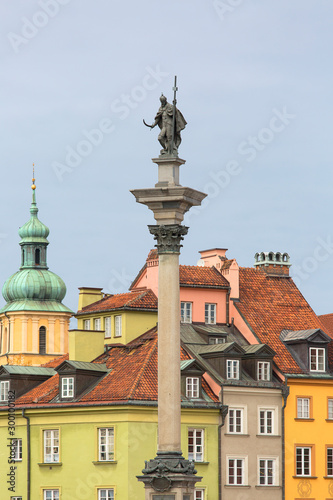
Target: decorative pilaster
168,237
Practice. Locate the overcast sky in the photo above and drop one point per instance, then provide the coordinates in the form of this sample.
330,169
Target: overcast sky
255,86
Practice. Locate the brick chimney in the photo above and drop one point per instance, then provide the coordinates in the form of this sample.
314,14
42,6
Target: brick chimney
273,263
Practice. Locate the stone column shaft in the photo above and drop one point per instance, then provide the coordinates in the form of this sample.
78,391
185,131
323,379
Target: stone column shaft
168,353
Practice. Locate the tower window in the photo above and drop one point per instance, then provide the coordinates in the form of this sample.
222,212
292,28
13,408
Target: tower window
37,256
42,340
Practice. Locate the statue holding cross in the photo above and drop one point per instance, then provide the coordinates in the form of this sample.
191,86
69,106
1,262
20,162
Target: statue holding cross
171,122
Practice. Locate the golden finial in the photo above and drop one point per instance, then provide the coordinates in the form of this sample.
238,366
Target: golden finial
33,177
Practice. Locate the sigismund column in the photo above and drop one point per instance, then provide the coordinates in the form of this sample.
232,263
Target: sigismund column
169,475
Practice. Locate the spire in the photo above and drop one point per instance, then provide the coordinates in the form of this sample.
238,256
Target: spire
33,208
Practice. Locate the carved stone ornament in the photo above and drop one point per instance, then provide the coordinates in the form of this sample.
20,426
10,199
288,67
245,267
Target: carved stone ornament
172,465
168,237
161,483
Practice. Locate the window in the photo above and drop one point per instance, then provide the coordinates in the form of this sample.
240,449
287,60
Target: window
263,370
186,312
17,443
303,461
51,495
97,324
330,409
37,256
106,494
317,359
86,324
266,421
42,340
67,387
236,471
51,446
303,407
107,327
106,444
329,461
192,387
235,416
199,494
15,498
233,368
117,332
216,340
195,444
210,314
267,471
4,388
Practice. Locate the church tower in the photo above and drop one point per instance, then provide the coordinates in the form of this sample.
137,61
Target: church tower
34,323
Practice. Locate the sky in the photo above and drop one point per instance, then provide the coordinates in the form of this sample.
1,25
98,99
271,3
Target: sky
255,83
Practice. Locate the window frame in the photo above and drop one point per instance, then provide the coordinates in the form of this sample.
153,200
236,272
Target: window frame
18,450
265,370
99,490
233,363
107,329
70,393
275,469
242,410
52,491
243,460
118,325
198,435
209,308
329,447
265,410
53,438
86,322
330,408
201,491
4,390
304,447
98,323
193,392
184,316
301,410
317,349
109,442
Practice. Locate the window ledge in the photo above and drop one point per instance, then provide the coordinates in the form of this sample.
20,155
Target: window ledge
104,462
328,477
268,487
237,486
201,463
236,434
305,477
298,419
49,464
329,419
269,435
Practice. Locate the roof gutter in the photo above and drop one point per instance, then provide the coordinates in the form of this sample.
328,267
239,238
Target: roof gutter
28,455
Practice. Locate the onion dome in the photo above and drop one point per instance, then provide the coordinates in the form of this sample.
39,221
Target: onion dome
34,287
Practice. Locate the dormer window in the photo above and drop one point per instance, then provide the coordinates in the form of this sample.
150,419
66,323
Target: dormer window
4,389
192,387
67,387
210,314
233,369
317,359
86,324
263,371
216,340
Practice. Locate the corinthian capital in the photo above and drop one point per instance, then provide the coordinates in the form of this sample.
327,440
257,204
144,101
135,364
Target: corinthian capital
168,237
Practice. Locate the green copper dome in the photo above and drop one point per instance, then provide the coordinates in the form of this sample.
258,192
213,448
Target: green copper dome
34,287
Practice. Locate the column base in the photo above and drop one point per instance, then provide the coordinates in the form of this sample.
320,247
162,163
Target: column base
169,476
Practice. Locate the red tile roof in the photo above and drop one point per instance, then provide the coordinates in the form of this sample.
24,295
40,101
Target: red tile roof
54,363
327,321
132,376
145,299
202,277
270,305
